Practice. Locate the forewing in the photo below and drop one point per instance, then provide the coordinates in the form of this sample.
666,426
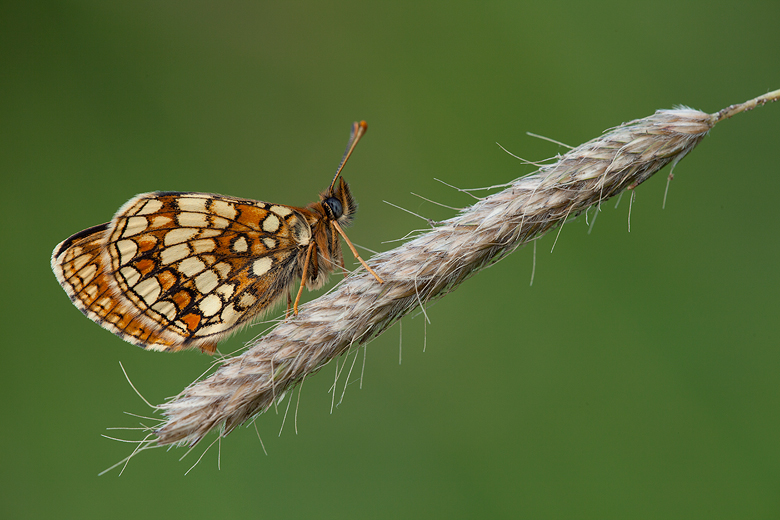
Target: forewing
78,265
196,266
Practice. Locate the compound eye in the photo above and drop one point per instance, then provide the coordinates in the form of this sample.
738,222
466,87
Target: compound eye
335,207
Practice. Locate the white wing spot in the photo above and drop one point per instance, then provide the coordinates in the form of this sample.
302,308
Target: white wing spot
67,272
240,245
223,268
262,265
197,220
226,290
127,250
271,223
87,274
224,209
159,221
207,281
174,253
166,308
219,222
179,235
79,262
281,210
131,275
149,290
191,266
205,245
134,226
270,243
189,203
246,300
210,305
229,314
208,233
214,328
300,230
91,291
104,303
151,206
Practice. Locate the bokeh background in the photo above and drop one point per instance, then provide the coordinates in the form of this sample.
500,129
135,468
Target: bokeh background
636,378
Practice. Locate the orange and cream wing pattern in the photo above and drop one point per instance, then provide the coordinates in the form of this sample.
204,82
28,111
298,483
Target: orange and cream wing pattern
78,266
179,270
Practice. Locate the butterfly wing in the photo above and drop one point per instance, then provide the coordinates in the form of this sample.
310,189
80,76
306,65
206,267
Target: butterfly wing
78,265
193,267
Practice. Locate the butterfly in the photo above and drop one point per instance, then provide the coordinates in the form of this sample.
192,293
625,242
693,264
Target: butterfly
177,270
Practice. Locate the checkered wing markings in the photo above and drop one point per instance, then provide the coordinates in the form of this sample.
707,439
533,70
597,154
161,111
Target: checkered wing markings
199,265
78,265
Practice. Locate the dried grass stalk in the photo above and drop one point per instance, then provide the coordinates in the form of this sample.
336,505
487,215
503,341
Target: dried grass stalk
432,264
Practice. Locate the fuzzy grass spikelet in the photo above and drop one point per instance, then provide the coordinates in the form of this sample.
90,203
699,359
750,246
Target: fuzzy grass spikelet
430,265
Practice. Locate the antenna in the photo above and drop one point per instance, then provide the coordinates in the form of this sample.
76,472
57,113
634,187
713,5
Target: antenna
358,130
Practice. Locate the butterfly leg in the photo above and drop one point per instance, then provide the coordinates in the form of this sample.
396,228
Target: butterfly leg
303,276
334,245
354,251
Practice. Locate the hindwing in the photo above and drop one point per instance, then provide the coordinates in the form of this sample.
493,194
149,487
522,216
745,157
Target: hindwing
78,265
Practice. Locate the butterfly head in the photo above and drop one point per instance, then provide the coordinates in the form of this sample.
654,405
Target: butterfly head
338,203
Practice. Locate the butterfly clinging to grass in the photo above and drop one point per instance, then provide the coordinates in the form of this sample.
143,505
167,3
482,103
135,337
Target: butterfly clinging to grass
176,270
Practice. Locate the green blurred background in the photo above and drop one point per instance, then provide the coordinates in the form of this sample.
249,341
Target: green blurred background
636,378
